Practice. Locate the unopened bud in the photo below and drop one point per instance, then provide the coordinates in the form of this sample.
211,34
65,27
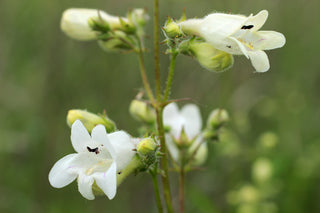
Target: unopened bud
138,17
217,118
147,146
74,23
90,120
141,111
209,57
172,29
84,24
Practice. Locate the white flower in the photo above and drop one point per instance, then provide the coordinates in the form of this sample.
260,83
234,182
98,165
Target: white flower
98,159
189,120
238,35
74,22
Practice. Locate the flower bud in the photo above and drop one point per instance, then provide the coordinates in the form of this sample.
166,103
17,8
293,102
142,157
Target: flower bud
262,170
209,57
147,146
138,17
90,120
172,29
74,23
141,111
217,118
201,154
81,24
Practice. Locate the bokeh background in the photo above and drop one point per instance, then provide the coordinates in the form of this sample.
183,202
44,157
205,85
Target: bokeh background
275,115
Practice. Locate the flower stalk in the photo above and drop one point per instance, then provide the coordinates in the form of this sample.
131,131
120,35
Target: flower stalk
170,76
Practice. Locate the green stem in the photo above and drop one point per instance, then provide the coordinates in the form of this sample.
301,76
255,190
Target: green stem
156,189
164,160
181,189
170,77
143,74
156,49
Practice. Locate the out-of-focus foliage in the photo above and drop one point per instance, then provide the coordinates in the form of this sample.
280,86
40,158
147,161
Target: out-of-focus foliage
275,116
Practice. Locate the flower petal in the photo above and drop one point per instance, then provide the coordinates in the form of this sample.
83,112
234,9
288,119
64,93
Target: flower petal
123,147
85,186
60,175
172,148
259,60
193,121
241,46
100,136
257,21
221,25
80,137
172,118
269,40
107,181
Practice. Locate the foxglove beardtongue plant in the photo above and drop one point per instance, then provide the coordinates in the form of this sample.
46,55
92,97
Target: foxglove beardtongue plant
106,157
98,159
238,35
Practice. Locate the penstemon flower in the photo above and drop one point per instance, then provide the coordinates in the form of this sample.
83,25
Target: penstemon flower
185,131
238,35
98,159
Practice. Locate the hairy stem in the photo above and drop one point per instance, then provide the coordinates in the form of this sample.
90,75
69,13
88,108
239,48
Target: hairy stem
170,77
181,189
156,49
164,161
144,75
156,189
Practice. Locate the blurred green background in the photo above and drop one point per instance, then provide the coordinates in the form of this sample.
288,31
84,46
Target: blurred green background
275,115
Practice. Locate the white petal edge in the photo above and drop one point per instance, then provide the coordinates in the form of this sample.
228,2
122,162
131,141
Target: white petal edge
107,181
100,136
85,186
173,119
80,137
172,148
258,20
259,60
270,40
193,121
60,175
123,146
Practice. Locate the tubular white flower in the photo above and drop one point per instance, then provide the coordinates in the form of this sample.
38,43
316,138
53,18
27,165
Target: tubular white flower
238,35
98,159
188,118
74,22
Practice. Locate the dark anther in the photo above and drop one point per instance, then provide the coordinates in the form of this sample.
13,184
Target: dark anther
95,150
119,173
229,46
246,27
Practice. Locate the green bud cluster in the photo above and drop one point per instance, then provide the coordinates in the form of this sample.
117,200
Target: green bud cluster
147,150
